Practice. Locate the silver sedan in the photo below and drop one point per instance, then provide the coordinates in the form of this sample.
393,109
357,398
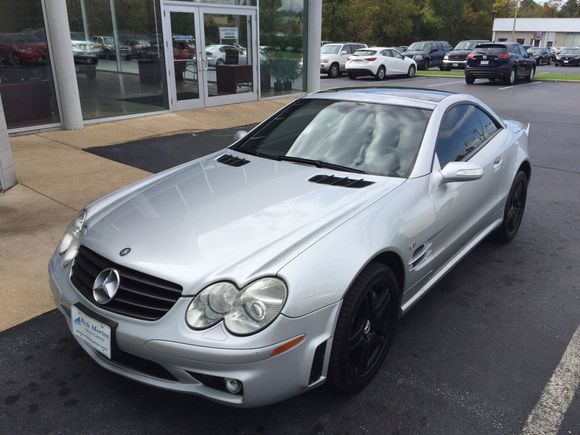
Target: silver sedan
284,261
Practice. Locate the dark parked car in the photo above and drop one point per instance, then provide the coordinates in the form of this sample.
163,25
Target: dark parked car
456,58
541,55
568,57
428,53
507,61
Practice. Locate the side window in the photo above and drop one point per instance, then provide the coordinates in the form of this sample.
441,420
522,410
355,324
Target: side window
347,48
489,126
385,53
398,54
460,133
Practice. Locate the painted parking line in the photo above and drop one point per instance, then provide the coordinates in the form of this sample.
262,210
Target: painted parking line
547,415
445,84
519,86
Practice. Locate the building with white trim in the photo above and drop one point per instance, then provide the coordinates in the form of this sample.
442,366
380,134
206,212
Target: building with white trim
539,32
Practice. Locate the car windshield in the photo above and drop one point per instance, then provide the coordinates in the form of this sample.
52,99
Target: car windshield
330,49
365,52
419,46
465,45
372,138
535,51
492,50
571,51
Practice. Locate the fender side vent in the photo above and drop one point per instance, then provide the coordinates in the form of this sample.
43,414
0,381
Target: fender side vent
317,363
341,181
228,159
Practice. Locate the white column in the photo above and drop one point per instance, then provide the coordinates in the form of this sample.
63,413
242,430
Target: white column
64,65
7,171
313,32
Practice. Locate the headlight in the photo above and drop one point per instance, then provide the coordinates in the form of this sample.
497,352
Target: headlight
325,60
446,57
72,234
418,57
243,311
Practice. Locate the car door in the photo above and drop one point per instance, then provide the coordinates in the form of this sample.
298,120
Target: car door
466,208
343,55
387,60
402,67
436,54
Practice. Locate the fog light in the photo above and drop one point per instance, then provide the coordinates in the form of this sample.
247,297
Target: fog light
233,385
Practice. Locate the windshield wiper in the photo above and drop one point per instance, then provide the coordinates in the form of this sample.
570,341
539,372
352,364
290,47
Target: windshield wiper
318,164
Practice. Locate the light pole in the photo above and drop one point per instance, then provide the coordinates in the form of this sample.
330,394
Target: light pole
515,19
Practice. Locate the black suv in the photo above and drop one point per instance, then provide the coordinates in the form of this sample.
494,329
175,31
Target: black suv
507,61
428,53
541,55
456,58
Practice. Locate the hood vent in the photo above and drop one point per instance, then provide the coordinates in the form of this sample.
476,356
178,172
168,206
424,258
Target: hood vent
228,159
340,181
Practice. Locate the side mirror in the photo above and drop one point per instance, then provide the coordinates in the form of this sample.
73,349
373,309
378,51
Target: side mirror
461,171
239,134
343,53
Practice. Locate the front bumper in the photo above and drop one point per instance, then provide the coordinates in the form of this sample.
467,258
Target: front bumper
168,354
324,67
450,64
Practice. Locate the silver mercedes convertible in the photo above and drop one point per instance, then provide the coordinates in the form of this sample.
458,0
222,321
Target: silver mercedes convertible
284,261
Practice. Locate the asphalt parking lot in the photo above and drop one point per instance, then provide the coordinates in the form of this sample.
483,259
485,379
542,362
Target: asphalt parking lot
473,356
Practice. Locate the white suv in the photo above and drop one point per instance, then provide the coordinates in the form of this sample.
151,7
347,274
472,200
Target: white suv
333,57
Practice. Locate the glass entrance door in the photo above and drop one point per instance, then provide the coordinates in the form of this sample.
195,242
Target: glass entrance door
230,56
183,58
210,56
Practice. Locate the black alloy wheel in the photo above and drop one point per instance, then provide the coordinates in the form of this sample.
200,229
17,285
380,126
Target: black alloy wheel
514,210
365,328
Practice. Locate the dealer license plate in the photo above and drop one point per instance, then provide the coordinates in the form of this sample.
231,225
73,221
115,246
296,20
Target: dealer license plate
566,61
454,64
94,333
484,62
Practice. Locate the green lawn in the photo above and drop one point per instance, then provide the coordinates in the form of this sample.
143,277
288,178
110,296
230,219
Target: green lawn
539,76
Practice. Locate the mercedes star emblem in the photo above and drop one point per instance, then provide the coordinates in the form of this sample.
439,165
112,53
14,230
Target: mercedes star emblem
124,251
106,285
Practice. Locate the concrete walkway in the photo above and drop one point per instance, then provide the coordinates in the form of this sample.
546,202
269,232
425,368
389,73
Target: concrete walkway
57,179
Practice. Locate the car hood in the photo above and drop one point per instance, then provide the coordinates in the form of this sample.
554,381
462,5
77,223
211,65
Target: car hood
414,52
459,52
210,221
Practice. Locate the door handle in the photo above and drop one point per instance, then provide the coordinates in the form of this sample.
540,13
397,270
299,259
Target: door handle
497,164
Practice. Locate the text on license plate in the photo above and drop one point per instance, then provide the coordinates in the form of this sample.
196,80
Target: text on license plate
484,62
94,333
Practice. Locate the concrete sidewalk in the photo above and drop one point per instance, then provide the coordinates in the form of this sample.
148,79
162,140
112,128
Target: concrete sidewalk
57,179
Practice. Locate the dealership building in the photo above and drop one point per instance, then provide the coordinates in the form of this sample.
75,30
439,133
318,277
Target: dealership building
539,32
70,63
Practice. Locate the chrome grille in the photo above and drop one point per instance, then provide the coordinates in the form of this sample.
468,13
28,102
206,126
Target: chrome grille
140,296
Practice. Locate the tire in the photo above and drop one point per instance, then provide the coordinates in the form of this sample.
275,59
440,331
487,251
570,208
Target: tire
219,62
514,210
426,65
530,76
411,72
512,78
381,73
469,80
334,71
549,62
352,76
365,328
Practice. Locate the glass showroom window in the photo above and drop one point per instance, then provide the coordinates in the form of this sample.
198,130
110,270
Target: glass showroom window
117,47
281,47
26,82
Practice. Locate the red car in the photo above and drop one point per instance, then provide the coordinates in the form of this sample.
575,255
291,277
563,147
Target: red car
21,48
